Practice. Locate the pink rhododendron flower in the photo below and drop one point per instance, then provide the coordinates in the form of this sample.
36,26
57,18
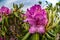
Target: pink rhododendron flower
37,18
5,10
1,38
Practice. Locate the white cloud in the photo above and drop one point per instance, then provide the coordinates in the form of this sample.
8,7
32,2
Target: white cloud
27,3
53,1
10,1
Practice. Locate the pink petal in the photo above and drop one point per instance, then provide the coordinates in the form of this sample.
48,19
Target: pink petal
1,38
32,29
41,29
30,21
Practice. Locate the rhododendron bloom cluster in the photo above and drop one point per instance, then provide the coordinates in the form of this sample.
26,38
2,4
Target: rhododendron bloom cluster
37,18
1,38
4,11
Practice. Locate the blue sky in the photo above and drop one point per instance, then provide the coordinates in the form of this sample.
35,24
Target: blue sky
27,3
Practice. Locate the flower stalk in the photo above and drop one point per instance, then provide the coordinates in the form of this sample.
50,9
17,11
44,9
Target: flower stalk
35,36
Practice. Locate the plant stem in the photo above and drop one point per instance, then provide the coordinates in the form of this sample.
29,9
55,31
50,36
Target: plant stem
3,21
35,36
7,20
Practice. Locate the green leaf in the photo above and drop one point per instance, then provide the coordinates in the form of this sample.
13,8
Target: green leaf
16,14
26,36
15,5
48,36
21,5
26,26
4,30
3,33
51,34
